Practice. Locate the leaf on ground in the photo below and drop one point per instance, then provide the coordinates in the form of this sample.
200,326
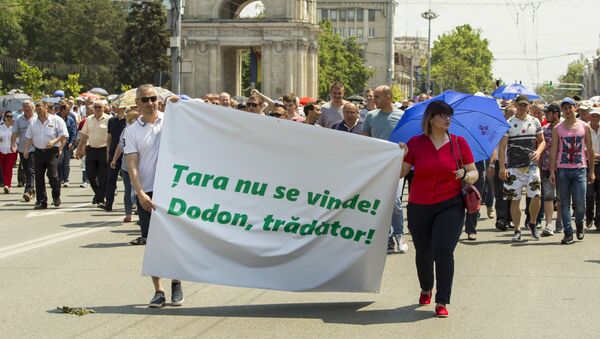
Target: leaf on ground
79,311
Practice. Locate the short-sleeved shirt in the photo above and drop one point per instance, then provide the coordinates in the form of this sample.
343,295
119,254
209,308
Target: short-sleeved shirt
330,115
380,124
522,141
115,128
143,138
40,133
21,125
595,140
545,159
341,126
434,179
6,136
96,130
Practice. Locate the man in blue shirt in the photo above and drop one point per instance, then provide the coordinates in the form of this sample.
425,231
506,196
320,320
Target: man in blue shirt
64,163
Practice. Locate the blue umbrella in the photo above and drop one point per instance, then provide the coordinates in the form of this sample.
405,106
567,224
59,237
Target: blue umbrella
477,119
509,92
59,93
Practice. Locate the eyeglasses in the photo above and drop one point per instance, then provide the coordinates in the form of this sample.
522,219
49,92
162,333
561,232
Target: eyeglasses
8,116
251,104
146,99
276,115
444,115
98,107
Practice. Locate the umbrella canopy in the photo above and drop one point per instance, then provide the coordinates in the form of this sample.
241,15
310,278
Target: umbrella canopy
99,91
52,100
127,99
88,95
355,98
477,119
306,100
595,100
13,102
240,98
59,93
509,92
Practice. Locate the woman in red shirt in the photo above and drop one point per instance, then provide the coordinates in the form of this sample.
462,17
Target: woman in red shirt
435,210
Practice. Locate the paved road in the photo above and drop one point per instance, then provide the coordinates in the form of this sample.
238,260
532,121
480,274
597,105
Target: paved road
79,255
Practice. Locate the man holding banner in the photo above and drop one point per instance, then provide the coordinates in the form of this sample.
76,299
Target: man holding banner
141,141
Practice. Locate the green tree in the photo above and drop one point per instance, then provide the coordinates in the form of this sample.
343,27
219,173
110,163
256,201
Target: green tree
12,39
31,79
341,60
461,60
574,75
147,40
86,34
72,85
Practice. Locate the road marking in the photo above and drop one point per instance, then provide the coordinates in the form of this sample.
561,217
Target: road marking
52,239
43,213
10,204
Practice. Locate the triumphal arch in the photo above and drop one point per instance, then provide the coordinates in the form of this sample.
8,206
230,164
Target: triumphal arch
283,39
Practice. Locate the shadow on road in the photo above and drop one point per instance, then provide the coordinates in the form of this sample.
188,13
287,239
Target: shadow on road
593,261
338,312
94,224
107,245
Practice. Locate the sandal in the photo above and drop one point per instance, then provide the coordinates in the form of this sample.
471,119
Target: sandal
138,241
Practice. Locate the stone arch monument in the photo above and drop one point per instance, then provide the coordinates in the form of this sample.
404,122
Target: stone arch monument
214,36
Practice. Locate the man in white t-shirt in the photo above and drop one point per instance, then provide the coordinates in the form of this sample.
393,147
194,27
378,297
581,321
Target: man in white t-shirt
141,142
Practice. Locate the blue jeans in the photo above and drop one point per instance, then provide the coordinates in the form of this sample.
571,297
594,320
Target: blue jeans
397,215
64,165
572,184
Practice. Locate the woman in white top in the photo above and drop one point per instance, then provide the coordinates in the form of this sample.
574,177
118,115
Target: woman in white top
8,153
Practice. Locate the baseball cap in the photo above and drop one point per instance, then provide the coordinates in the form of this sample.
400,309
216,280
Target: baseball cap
585,105
595,110
567,100
552,108
522,99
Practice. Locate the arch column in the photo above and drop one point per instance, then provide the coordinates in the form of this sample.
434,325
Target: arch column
312,86
301,79
290,51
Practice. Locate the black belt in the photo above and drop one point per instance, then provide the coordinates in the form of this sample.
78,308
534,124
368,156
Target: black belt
96,147
45,149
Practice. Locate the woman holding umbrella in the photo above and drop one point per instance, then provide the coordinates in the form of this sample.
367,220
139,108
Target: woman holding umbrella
435,210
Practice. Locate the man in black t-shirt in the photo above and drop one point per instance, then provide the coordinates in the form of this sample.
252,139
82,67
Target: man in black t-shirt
116,125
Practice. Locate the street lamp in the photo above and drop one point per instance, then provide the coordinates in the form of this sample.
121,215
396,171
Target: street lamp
415,47
429,15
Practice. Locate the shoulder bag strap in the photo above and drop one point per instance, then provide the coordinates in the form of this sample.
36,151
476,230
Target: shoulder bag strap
452,151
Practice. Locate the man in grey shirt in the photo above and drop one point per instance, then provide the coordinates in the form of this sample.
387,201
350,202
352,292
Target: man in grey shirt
332,111
380,123
28,164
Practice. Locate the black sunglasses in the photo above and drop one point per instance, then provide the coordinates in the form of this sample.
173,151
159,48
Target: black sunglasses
146,99
251,104
6,116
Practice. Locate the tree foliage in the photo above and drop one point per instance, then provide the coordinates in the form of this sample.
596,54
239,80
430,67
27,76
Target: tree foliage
147,40
341,60
574,74
31,79
461,60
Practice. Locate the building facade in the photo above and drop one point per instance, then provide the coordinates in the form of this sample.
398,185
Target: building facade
591,76
371,22
409,54
214,37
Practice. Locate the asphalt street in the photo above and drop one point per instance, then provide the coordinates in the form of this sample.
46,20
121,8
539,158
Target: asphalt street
79,256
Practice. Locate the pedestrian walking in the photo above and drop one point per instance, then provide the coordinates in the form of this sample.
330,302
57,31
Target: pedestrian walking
380,123
64,163
435,209
593,190
28,164
519,153
93,145
47,133
8,150
141,144
572,156
116,125
131,117
552,112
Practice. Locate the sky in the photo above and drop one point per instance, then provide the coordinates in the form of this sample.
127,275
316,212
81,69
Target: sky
510,26
513,29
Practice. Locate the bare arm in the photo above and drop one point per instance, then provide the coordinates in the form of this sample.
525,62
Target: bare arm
590,153
118,152
270,103
472,174
81,146
133,161
553,151
503,174
541,147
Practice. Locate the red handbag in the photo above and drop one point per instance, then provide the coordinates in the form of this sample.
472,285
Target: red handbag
470,194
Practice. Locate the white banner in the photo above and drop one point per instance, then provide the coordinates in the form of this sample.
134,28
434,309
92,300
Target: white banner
254,201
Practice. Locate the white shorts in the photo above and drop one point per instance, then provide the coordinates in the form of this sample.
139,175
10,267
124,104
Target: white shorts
520,177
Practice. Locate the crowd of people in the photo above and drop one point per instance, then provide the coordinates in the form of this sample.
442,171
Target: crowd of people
550,150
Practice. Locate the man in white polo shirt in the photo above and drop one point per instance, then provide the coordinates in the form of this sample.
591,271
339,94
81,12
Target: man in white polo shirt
141,142
48,134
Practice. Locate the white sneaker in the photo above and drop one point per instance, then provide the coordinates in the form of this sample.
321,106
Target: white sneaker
65,184
84,185
402,245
